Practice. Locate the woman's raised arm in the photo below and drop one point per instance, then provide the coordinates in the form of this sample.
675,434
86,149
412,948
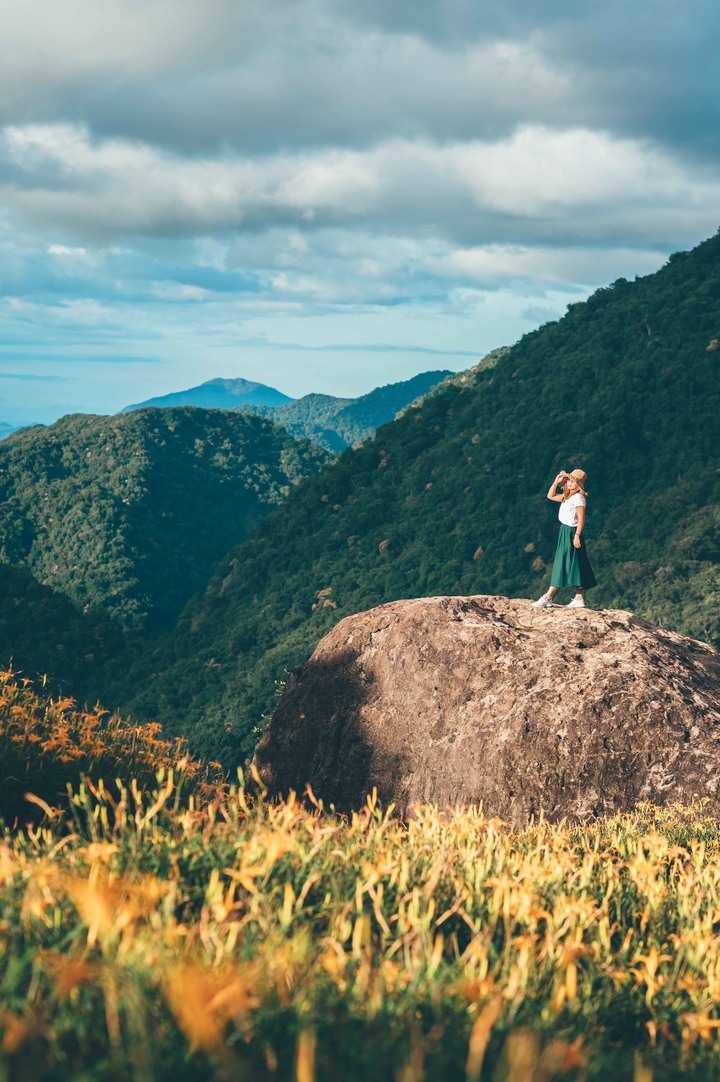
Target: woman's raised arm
552,491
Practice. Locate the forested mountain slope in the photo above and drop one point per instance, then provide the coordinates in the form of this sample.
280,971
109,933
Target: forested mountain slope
43,634
337,423
128,514
450,498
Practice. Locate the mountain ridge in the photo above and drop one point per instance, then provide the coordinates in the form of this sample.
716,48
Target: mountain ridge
338,423
217,393
327,420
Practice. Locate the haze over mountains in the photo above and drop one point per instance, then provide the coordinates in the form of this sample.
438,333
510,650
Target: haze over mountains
450,498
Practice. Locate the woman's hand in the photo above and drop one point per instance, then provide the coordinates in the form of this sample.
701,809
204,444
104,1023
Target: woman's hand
560,478
577,542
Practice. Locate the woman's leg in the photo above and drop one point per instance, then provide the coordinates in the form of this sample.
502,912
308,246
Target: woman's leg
545,599
578,602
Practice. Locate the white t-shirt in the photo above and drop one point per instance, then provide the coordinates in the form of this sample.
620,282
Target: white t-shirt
568,510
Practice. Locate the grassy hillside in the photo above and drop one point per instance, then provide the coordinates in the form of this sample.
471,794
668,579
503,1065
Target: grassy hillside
450,498
128,514
337,423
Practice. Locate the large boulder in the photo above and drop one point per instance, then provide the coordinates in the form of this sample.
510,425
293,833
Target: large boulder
459,700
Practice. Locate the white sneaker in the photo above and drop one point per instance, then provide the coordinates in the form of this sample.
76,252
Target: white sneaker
578,602
543,602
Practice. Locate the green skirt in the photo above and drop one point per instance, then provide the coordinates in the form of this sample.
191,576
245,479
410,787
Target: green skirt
571,566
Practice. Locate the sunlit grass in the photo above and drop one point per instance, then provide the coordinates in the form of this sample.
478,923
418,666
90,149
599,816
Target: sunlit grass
48,743
262,940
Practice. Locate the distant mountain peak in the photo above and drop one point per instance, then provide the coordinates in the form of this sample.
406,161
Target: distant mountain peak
218,393
238,385
328,421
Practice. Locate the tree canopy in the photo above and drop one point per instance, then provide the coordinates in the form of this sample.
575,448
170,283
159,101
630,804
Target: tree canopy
128,514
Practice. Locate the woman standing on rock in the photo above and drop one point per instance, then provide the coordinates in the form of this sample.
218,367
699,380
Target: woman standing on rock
571,566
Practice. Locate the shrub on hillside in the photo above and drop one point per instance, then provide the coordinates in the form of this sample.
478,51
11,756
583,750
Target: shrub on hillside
47,744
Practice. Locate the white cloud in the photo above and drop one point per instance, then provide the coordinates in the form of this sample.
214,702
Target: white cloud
496,263
68,37
172,170
576,180
82,312
177,291
201,72
72,260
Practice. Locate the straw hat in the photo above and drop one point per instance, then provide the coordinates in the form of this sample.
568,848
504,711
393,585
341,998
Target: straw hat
581,477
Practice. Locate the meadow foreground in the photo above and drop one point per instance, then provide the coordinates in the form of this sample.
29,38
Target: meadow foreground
147,938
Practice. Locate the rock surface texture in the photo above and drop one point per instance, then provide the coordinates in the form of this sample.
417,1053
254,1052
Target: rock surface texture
460,700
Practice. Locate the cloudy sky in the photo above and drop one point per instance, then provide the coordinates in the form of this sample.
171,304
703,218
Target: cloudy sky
331,194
